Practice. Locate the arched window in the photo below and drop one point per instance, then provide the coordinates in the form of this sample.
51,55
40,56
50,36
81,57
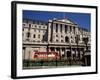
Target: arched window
66,39
62,41
28,34
29,25
56,40
34,36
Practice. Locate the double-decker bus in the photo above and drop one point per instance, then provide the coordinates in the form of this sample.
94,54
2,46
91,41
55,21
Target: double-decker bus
46,56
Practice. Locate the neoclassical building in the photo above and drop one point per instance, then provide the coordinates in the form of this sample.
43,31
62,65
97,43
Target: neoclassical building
58,35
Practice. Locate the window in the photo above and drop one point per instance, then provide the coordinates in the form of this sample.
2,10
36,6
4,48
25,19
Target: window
23,25
35,26
57,49
71,37
66,28
56,35
43,26
38,41
62,41
56,40
66,39
28,34
34,36
72,41
61,28
33,40
23,29
56,27
68,53
61,36
43,37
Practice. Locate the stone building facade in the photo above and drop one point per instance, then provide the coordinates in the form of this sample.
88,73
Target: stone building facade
58,35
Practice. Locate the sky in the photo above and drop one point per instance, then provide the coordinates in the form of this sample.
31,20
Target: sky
81,19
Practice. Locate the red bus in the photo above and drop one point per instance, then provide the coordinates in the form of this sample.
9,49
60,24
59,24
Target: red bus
46,56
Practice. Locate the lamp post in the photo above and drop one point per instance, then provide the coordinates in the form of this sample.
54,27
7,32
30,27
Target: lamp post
77,42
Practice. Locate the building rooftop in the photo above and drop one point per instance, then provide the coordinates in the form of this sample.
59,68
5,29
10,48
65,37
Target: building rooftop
66,21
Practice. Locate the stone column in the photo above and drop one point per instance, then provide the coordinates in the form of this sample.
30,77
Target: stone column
59,50
81,53
49,30
66,53
49,49
72,52
68,27
76,29
58,28
76,53
54,49
54,27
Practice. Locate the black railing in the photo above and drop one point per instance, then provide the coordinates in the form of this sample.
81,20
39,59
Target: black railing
51,63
